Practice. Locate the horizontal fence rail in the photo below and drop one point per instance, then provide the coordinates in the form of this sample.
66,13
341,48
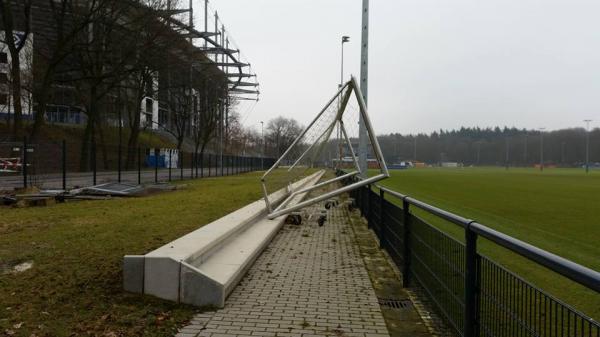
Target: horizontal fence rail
473,294
60,166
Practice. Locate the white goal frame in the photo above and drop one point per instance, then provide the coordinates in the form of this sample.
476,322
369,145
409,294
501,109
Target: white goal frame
282,208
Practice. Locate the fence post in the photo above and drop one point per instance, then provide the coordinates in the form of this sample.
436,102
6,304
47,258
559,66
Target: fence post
24,166
139,160
471,313
119,162
381,218
406,219
156,154
359,199
64,165
94,168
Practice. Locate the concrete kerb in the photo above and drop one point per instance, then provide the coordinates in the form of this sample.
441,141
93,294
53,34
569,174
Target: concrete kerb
175,270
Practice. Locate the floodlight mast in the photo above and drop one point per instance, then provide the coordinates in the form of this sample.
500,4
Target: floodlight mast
345,39
364,88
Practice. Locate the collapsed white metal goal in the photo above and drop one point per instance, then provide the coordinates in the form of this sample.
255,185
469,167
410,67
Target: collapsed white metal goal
317,146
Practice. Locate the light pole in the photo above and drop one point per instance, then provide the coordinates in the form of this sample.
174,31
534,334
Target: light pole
262,141
364,88
542,149
587,145
345,39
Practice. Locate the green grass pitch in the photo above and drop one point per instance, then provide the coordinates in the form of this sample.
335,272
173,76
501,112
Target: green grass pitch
557,210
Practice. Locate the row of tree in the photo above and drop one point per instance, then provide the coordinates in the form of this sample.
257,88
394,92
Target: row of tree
470,146
494,146
277,136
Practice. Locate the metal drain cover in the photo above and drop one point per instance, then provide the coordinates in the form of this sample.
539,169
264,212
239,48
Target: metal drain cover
394,304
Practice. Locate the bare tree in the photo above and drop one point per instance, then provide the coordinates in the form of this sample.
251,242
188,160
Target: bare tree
105,55
281,133
146,65
59,31
16,43
207,121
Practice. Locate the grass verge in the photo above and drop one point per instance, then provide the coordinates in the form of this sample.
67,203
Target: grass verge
75,285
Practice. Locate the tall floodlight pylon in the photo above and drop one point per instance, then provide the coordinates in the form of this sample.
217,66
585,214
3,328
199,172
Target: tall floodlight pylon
307,152
364,86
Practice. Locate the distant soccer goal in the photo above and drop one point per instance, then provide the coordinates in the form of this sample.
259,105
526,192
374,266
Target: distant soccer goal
331,140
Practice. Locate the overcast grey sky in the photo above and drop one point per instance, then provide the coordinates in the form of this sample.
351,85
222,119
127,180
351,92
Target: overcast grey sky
433,64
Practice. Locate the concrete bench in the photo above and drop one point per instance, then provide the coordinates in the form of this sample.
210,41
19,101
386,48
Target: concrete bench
204,266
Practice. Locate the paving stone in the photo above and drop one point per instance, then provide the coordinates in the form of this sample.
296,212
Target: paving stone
310,281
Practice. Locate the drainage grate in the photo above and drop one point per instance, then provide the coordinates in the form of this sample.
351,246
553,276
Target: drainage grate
394,304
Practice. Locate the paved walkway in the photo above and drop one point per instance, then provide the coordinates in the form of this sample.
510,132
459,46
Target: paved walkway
310,281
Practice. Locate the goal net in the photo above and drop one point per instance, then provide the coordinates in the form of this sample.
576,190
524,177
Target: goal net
331,140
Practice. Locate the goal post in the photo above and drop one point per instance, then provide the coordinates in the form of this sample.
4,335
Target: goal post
314,146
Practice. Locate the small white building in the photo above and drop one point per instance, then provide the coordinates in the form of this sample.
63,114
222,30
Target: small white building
150,107
450,164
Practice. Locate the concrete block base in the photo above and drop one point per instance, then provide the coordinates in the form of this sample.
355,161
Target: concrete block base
203,267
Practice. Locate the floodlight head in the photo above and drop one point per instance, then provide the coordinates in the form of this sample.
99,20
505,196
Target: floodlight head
345,39
310,148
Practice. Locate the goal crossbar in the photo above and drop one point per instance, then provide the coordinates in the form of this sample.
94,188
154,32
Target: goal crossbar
351,87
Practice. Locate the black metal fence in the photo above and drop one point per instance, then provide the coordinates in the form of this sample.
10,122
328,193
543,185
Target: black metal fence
474,295
59,166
